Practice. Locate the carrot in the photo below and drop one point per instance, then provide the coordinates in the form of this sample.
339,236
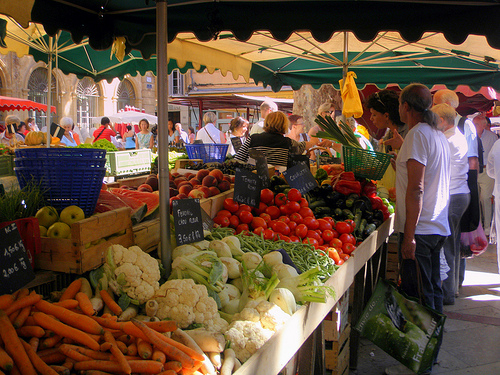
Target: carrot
34,342
6,300
54,357
15,371
29,321
168,372
67,303
105,346
130,329
81,322
163,326
117,353
50,342
109,316
30,331
14,316
167,348
73,354
184,348
85,304
69,363
71,290
107,322
61,370
144,349
127,339
65,330
40,365
140,366
122,346
21,317
6,362
132,349
90,353
95,372
159,356
21,293
2,373
14,347
28,300
173,365
110,302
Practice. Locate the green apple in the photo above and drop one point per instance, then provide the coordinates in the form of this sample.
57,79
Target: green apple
71,214
47,216
43,231
59,230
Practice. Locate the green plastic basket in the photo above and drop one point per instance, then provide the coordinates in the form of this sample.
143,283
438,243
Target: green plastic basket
365,163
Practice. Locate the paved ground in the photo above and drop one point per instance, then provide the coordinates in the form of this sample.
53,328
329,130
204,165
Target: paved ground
472,329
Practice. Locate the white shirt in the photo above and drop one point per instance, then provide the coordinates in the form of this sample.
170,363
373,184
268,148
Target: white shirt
258,127
493,167
184,136
470,135
429,147
458,160
204,132
11,141
488,138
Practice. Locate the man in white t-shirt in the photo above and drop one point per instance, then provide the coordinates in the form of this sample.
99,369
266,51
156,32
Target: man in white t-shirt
266,108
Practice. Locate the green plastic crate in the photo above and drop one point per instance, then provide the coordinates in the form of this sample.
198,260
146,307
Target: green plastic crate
365,163
122,163
6,165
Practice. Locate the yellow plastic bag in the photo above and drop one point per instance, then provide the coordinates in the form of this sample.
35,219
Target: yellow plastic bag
350,97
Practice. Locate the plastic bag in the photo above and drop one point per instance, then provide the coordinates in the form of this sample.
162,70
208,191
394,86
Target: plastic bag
475,241
350,97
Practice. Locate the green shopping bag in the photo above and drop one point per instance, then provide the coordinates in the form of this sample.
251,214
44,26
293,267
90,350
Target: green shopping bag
402,327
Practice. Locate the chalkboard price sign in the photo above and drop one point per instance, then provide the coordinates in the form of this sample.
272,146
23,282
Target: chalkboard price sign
247,187
261,165
300,178
236,141
15,267
187,220
207,221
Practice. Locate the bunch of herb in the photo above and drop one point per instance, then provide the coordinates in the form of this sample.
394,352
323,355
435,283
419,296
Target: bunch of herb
21,203
341,133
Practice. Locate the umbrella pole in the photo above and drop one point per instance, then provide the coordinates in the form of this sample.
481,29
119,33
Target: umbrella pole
49,91
162,78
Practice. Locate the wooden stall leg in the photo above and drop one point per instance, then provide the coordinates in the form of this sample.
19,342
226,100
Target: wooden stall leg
319,363
357,309
307,356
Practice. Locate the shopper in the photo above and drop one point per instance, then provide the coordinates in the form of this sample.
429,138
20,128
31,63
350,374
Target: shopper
105,131
69,138
144,139
493,170
10,137
267,107
237,129
209,133
183,136
191,135
129,138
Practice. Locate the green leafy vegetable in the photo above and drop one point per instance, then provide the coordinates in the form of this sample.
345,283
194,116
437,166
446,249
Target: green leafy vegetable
341,133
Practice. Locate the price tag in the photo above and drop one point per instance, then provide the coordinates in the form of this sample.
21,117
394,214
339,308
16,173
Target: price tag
300,178
261,165
247,187
187,220
236,141
15,267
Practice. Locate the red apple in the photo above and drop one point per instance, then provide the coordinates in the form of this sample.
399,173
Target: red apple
217,173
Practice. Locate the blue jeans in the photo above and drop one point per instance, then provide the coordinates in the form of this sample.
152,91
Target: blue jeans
427,255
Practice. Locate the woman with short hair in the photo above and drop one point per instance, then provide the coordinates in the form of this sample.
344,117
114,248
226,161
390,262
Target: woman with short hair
129,138
237,129
209,133
144,138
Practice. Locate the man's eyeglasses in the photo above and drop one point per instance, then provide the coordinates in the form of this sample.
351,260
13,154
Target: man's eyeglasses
377,96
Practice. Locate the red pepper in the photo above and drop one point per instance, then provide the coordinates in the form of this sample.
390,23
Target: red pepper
369,189
348,176
348,187
385,211
377,203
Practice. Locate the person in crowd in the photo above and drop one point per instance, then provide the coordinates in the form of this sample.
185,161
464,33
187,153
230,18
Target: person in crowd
183,136
267,107
22,130
154,130
272,142
237,129
10,136
485,182
172,134
31,124
326,110
144,139
209,133
297,128
129,138
105,131
191,135
459,196
493,171
69,138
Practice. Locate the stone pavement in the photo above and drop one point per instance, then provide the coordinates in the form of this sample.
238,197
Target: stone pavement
471,343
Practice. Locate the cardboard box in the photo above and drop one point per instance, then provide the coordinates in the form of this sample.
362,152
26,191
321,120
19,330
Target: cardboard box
90,239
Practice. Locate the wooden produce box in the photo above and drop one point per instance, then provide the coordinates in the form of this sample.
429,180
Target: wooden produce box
337,354
217,202
182,163
392,268
336,322
147,235
90,239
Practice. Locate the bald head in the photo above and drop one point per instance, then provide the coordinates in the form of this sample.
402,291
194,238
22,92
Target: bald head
446,96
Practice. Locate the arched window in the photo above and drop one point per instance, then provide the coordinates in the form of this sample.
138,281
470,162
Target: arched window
125,94
37,86
87,95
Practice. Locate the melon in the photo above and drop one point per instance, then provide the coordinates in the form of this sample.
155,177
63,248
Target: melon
152,200
108,201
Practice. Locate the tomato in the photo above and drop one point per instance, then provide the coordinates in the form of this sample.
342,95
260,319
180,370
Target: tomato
351,223
282,228
342,227
243,207
261,209
296,217
303,202
327,235
305,212
259,230
223,221
301,231
340,262
324,225
294,195
348,248
246,217
258,222
330,220
311,222
274,212
230,205
335,233
240,228
336,243
347,238
333,254
311,241
292,225
267,196
315,235
285,209
322,247
266,217
269,234
225,213
284,219
280,199
283,237
234,221
344,256
293,206
294,238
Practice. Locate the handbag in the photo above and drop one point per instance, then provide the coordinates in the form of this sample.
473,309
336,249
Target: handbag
402,327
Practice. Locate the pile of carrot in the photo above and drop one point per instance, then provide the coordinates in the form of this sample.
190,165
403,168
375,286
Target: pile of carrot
39,337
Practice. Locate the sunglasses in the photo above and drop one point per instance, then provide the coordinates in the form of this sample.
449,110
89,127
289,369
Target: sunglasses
377,96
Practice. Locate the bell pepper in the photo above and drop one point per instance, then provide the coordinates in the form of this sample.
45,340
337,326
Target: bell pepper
348,187
321,175
369,189
377,203
348,176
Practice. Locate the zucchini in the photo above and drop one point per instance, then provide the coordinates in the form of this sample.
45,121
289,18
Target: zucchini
317,203
321,210
362,227
358,215
370,228
351,199
347,214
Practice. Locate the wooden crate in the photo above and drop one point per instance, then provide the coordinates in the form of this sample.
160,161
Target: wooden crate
90,239
337,354
182,163
217,202
392,267
337,320
147,235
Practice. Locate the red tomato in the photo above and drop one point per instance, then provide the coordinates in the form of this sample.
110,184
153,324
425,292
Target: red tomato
284,218
344,256
246,217
258,222
340,262
280,199
282,228
243,207
330,220
259,230
301,231
305,212
347,238
322,247
240,228
266,217
230,205
311,241
293,206
342,227
296,217
333,254
335,233
284,238
348,248
234,221
336,243
303,202
315,235
269,234
274,212
267,196
261,209
324,225
223,221
292,225
285,209
327,235
294,195
294,239
311,222
351,223
225,213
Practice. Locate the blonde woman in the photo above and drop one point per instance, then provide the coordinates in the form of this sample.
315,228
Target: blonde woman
209,133
144,138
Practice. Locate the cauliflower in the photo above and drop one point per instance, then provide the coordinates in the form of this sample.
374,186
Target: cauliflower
253,326
186,302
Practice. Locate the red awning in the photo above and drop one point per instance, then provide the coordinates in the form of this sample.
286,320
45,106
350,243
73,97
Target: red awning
16,104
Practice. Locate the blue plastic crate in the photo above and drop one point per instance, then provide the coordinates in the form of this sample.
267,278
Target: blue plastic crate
208,152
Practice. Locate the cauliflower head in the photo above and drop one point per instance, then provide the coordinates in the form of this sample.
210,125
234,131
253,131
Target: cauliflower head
186,302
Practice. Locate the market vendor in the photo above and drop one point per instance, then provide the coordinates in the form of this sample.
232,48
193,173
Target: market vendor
10,136
273,143
69,138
